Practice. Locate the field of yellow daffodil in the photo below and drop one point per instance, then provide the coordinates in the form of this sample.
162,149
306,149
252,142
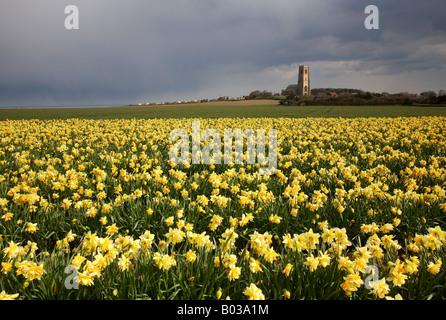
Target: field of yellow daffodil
93,209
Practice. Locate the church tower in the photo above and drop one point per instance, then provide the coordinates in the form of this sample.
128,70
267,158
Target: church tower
303,82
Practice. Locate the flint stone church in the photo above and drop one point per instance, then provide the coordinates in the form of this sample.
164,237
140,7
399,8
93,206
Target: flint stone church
302,88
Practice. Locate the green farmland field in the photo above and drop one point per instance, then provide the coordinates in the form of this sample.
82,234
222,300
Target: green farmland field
240,109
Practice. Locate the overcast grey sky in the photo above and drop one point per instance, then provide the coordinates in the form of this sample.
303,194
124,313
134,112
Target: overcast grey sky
162,50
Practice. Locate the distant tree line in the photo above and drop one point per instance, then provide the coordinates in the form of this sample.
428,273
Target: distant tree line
348,96
332,96
257,94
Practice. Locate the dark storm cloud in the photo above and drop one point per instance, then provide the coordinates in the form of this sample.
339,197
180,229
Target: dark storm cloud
131,51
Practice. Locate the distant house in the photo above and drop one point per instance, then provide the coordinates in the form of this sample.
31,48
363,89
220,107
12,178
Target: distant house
324,94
